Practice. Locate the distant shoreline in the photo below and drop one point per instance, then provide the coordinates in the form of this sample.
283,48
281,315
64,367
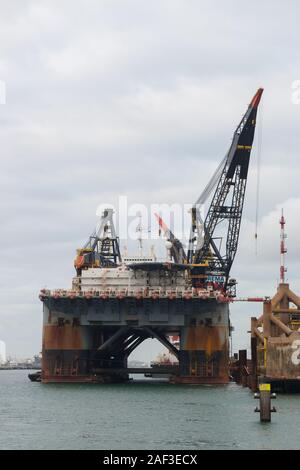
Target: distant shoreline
19,368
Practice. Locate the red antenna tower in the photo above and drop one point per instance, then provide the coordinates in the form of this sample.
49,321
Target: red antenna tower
283,249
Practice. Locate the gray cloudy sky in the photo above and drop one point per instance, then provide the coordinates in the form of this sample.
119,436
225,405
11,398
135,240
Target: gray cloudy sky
140,99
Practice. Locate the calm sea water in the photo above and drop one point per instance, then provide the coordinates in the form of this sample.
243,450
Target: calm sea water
139,415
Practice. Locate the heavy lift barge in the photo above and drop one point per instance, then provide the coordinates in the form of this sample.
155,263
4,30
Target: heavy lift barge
90,331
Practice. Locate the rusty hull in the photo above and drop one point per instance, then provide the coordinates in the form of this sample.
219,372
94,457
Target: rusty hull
83,337
283,355
204,354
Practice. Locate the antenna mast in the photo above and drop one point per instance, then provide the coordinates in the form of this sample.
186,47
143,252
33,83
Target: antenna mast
283,249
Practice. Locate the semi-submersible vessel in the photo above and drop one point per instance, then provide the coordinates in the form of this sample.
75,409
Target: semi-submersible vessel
90,330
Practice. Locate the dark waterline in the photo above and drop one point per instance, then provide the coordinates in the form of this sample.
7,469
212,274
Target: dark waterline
139,415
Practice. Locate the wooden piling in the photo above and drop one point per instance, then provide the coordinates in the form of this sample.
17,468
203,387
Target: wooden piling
243,367
265,402
254,381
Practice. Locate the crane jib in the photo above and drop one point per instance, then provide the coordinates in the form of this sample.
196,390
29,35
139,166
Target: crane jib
227,202
243,146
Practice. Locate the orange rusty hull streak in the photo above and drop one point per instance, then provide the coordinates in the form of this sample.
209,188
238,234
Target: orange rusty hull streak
63,347
208,338
67,379
63,337
204,355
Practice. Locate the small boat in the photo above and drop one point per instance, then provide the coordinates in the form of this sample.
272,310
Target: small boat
35,376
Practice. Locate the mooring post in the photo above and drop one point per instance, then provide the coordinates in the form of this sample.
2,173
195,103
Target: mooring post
254,384
265,402
242,367
254,378
265,397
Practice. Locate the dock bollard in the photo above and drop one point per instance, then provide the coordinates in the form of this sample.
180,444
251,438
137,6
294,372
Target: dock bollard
265,397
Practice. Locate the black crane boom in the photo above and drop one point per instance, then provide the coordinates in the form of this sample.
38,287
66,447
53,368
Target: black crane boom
227,202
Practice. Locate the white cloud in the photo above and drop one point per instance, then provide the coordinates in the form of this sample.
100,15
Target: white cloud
128,97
